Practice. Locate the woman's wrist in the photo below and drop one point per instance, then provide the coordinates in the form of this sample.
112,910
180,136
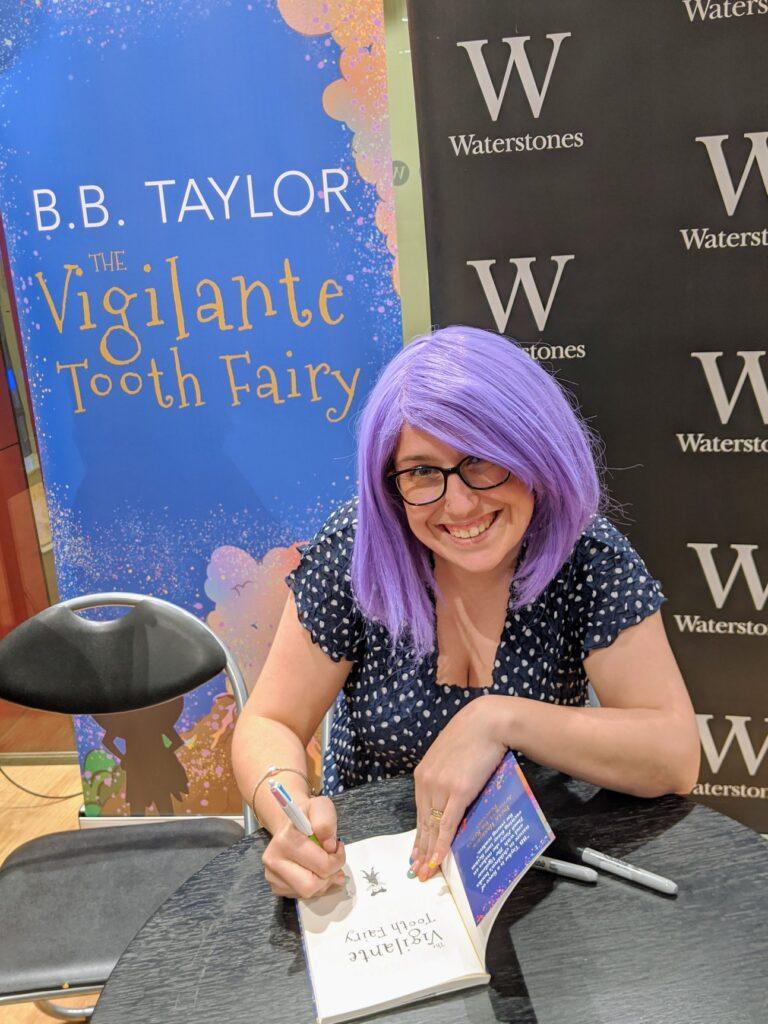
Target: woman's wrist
263,803
504,719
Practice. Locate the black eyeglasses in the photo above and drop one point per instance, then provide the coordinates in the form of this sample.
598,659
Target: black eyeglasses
423,485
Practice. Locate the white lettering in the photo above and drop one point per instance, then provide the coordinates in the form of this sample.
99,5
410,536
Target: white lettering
517,58
752,371
95,204
160,186
53,223
524,276
745,561
310,193
738,731
336,190
224,196
757,154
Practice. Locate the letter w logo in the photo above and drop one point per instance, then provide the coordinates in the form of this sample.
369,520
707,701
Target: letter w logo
517,58
745,561
758,154
751,371
524,276
738,731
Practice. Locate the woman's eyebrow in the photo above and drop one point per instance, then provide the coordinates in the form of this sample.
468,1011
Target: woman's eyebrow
417,458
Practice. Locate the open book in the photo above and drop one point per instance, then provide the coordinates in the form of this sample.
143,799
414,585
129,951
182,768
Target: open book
386,939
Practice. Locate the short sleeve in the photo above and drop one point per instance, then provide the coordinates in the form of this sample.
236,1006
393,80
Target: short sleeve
322,588
613,586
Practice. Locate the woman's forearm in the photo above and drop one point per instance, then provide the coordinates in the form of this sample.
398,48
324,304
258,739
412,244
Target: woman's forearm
643,751
257,744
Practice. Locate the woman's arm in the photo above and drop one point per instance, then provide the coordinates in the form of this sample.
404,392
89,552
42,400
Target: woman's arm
297,685
295,689
643,738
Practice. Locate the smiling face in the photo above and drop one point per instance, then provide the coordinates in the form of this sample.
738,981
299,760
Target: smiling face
476,531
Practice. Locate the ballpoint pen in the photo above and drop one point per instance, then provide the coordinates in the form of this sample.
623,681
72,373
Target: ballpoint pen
297,817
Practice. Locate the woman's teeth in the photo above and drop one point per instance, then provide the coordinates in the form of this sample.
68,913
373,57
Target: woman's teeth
465,533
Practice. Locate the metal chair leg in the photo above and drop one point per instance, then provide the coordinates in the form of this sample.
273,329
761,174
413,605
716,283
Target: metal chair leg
59,1012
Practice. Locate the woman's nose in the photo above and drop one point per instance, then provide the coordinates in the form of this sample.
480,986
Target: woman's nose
459,499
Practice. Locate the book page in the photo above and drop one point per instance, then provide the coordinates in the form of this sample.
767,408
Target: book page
385,938
502,834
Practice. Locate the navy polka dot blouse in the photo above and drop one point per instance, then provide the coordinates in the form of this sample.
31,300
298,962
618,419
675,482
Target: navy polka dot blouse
391,708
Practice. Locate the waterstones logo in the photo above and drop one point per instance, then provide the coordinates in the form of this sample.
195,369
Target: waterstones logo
751,379
540,306
719,627
743,566
715,10
494,96
737,738
731,192
758,154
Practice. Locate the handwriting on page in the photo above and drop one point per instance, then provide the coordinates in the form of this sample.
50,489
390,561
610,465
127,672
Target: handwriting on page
396,938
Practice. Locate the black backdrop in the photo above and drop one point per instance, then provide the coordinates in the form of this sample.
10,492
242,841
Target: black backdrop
667,259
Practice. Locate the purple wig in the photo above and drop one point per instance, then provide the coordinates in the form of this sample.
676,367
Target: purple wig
483,395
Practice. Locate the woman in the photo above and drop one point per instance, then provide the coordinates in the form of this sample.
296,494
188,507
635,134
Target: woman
461,607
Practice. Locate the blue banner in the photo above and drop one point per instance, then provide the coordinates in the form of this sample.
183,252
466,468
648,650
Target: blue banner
197,206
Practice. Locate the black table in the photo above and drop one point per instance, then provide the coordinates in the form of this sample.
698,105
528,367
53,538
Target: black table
224,949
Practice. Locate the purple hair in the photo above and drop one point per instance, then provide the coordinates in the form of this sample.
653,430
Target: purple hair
482,394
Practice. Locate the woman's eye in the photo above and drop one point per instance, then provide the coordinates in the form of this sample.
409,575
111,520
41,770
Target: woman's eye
422,472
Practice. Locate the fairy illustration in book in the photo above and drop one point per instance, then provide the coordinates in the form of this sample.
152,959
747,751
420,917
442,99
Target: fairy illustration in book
374,885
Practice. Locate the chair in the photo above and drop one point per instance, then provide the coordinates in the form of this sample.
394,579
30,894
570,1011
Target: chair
72,901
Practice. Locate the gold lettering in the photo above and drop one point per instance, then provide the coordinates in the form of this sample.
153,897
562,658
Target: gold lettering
349,390
216,307
325,297
234,388
289,280
245,291
164,401
313,372
58,315
178,308
270,389
181,380
73,368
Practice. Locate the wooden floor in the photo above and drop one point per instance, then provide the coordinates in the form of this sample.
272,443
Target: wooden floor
24,730
22,817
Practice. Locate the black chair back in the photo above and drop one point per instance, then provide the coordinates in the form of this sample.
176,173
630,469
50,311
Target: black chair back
59,661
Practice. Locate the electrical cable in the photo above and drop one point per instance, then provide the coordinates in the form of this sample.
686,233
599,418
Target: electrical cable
44,796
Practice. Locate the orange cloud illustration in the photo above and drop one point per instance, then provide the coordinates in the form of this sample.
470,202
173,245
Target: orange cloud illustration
359,97
249,596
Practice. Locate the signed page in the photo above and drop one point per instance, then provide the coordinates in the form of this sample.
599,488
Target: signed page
386,939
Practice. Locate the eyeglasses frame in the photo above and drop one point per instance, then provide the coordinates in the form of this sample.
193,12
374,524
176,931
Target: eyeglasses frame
446,473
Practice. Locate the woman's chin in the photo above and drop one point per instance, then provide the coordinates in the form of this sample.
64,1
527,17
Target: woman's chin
477,559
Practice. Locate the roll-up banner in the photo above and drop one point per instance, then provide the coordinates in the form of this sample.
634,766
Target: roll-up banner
595,178
197,205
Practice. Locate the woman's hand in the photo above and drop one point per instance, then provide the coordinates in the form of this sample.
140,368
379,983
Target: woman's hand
451,774
295,865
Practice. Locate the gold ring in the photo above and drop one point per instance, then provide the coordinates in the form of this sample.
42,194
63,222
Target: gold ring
434,813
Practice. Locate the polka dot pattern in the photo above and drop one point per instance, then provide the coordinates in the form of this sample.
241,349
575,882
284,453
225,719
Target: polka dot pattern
392,707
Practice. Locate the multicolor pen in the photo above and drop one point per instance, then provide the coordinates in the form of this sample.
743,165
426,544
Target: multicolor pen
297,817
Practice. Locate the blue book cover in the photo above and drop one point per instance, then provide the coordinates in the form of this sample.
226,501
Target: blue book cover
502,834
